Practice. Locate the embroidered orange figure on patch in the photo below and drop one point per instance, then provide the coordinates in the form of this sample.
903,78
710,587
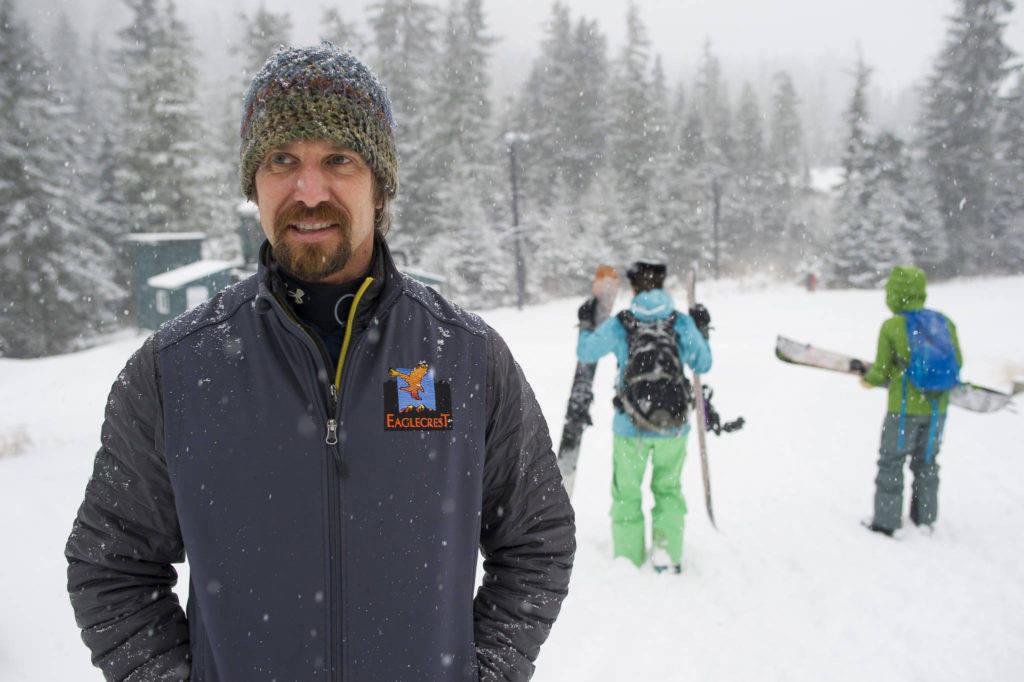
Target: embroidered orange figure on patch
414,379
415,401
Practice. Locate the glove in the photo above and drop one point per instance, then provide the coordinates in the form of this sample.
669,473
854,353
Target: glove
586,314
858,367
702,318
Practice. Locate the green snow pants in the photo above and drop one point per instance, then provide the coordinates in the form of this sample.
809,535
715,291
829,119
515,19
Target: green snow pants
924,504
629,459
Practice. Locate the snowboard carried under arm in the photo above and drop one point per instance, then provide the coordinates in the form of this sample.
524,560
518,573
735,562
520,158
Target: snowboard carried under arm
577,414
966,396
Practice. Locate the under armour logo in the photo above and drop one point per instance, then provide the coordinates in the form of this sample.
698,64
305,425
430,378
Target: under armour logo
298,295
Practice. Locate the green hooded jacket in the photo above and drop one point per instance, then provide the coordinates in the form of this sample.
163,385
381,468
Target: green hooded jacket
905,290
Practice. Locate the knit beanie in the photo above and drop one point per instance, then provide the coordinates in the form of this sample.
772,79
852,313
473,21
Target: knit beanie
320,92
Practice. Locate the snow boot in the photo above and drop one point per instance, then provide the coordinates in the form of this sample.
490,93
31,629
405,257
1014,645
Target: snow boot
662,563
872,526
925,528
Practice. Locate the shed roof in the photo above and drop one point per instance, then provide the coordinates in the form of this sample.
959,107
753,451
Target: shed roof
163,236
179,277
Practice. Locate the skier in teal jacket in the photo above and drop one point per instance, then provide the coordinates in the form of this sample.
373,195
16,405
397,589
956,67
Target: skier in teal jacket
632,446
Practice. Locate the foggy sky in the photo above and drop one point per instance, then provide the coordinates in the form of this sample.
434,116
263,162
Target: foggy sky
752,37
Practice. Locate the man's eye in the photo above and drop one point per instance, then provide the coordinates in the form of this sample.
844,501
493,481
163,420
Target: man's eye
279,159
339,160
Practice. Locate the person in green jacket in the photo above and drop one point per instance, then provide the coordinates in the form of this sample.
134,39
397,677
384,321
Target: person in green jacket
905,291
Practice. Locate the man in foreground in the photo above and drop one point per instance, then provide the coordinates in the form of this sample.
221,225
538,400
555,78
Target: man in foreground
328,441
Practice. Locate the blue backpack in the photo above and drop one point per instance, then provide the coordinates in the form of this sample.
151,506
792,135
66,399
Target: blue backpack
933,368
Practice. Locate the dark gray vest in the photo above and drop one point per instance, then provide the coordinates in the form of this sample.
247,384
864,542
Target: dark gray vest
317,561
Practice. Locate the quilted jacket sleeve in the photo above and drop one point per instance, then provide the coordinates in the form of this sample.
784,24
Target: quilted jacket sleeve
125,539
527,531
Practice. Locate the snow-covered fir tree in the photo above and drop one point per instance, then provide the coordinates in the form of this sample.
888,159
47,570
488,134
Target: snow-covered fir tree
710,92
80,79
631,140
784,224
407,59
54,266
336,29
749,187
586,122
960,116
785,144
871,230
1008,219
544,112
163,171
472,246
262,33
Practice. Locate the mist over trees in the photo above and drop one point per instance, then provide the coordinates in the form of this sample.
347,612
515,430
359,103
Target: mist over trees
614,160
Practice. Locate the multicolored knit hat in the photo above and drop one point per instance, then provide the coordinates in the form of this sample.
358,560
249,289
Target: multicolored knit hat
320,92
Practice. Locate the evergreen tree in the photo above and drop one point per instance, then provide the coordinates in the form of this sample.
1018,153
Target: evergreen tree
262,34
750,188
961,107
873,214
586,118
710,92
750,132
81,81
786,138
544,113
631,141
784,223
54,268
405,35
1009,202
163,170
477,261
335,29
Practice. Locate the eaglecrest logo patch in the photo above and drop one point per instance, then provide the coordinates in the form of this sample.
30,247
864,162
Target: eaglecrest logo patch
413,401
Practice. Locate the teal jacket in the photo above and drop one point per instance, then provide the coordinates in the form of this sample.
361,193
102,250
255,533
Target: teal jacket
610,337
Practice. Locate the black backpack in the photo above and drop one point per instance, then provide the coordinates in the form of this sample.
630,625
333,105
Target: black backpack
654,392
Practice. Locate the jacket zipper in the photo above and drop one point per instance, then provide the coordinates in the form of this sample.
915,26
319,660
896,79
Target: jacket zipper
338,573
333,497
333,400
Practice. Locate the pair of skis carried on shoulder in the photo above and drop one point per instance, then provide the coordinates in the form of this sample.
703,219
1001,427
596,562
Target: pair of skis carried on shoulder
577,414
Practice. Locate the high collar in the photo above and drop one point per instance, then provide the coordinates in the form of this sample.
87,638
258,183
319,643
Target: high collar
383,289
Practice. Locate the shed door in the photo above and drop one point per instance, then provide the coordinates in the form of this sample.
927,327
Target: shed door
196,294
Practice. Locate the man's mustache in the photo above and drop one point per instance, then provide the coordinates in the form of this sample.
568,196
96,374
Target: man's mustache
324,212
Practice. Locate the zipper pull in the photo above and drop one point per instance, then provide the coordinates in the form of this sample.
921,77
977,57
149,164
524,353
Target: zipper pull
332,431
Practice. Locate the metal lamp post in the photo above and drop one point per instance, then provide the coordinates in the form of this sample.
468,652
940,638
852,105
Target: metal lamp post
512,139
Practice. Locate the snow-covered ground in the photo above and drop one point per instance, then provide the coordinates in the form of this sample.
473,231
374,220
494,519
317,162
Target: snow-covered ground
792,588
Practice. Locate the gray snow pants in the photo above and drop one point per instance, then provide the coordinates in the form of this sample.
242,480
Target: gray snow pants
924,504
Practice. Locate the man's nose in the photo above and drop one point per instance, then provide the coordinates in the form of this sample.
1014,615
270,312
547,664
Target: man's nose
311,186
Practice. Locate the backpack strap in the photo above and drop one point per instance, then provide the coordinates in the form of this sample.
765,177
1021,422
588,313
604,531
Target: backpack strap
903,411
628,321
934,430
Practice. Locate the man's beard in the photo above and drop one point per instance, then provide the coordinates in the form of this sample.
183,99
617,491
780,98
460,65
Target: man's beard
313,262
